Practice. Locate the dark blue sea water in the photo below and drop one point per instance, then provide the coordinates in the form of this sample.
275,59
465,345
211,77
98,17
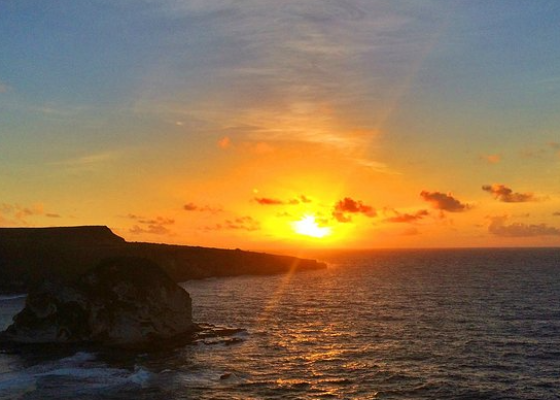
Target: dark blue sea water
448,324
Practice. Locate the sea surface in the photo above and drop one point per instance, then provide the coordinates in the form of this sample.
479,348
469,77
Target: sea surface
432,324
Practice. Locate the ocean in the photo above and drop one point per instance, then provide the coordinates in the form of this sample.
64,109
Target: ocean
408,324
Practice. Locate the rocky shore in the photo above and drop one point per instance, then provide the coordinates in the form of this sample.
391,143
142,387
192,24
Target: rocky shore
121,302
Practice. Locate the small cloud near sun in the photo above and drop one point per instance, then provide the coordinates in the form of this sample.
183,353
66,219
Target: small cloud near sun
347,206
268,201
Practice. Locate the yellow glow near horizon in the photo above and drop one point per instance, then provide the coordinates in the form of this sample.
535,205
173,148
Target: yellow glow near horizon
308,226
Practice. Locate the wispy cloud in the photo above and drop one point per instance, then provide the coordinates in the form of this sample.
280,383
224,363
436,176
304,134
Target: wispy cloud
327,72
88,161
151,226
20,215
491,158
499,227
202,208
268,201
244,223
406,217
3,87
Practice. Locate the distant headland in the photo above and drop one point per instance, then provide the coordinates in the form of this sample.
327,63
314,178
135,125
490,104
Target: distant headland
29,255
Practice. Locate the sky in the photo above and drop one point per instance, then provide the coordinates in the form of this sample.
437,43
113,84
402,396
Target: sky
266,124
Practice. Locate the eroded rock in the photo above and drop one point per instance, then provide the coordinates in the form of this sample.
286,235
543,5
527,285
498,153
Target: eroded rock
122,301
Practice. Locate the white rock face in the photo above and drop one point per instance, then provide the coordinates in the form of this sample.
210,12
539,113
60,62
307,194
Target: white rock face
124,301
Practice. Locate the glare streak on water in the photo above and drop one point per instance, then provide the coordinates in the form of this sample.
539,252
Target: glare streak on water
391,325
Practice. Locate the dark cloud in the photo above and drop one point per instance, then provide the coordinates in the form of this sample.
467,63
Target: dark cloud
267,201
556,214
506,195
52,215
201,208
444,202
408,218
344,209
498,227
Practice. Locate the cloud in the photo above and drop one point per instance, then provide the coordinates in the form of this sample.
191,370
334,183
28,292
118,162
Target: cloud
267,201
201,208
224,142
344,209
506,195
150,229
152,226
444,202
18,215
556,214
294,93
245,223
3,87
408,218
410,232
491,158
498,227
87,162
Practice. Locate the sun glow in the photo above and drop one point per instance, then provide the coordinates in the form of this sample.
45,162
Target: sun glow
308,226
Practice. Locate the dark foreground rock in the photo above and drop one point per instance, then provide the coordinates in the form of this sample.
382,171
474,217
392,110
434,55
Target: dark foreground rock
123,302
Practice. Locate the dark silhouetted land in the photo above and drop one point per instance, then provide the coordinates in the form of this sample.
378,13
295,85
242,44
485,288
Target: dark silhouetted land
28,255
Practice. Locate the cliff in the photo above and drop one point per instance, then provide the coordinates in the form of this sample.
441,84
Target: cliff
28,255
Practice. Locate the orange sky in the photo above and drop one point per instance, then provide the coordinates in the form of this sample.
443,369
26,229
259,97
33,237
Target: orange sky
377,124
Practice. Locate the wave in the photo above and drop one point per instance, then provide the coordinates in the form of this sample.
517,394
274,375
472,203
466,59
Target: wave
12,297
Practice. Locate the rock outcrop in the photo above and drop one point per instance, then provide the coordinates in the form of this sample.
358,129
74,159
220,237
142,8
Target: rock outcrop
123,301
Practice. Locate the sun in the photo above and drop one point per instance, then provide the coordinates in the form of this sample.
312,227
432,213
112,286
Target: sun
308,226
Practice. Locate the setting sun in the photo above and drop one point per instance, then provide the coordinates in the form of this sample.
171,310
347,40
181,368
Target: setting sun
308,226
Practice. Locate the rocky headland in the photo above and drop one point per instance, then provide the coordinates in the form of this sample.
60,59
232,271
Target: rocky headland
31,255
123,301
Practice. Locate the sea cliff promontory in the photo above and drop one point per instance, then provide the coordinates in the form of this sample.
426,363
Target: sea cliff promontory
29,255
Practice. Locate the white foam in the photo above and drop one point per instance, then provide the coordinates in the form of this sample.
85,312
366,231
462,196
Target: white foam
79,357
141,377
13,297
80,370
